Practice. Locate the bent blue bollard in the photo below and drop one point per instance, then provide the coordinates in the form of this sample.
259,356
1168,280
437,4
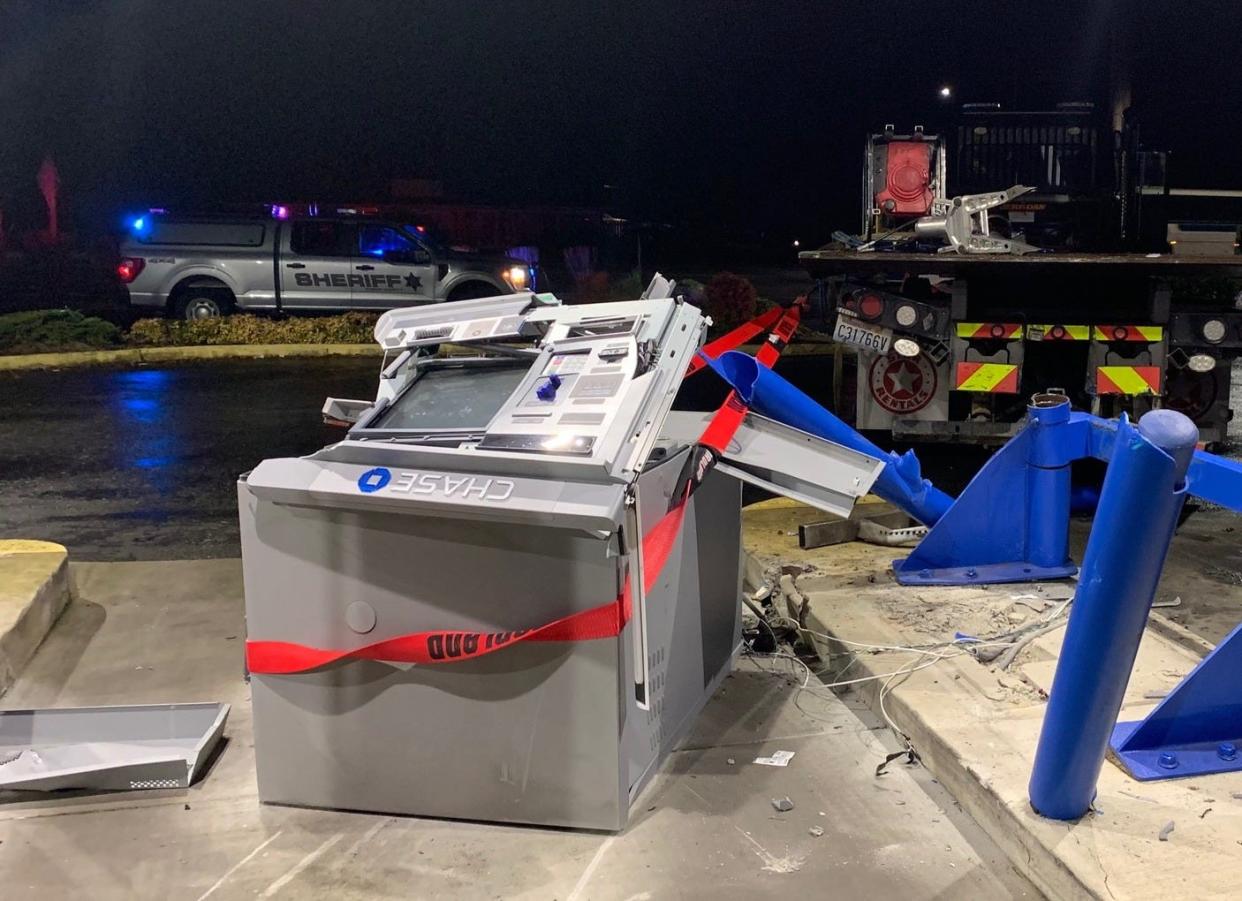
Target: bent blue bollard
1011,523
1139,504
901,482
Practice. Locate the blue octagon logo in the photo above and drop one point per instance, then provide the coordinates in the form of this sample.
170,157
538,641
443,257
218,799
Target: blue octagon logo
374,479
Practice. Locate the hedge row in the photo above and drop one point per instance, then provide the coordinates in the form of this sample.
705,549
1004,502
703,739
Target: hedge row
348,328
40,331
48,331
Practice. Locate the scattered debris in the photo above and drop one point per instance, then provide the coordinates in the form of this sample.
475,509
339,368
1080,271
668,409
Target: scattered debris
1122,791
1165,831
816,831
1206,811
1221,574
1155,695
798,605
783,804
731,761
1176,602
1237,796
1038,604
778,758
909,753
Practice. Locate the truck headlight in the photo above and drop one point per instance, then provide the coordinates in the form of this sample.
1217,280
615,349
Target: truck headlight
1214,331
517,276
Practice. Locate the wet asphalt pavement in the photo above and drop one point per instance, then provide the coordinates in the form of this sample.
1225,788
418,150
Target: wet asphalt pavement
142,464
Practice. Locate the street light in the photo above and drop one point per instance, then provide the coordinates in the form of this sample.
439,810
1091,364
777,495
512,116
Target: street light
946,92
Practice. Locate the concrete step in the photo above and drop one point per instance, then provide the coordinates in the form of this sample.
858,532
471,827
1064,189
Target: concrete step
34,590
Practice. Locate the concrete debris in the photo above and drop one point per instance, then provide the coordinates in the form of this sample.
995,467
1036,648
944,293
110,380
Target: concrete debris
816,831
1165,831
783,804
797,604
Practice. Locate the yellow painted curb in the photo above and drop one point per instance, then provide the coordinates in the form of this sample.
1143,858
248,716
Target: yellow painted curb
34,591
29,546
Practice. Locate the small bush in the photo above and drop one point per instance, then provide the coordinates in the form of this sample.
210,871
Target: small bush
38,331
730,300
348,328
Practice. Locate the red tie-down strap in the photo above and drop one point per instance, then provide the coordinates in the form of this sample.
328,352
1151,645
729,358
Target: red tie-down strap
734,339
446,646
605,621
728,419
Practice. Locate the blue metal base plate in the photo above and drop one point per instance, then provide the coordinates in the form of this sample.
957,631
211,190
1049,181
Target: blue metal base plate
1199,759
988,574
1197,729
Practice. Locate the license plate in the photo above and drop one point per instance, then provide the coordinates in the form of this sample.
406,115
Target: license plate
865,337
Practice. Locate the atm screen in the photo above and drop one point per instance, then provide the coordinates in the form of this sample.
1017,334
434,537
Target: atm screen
453,397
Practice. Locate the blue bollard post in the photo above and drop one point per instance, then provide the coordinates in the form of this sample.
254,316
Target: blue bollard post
1142,495
1049,482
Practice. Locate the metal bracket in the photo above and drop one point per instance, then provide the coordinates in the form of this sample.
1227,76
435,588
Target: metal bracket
1196,730
963,223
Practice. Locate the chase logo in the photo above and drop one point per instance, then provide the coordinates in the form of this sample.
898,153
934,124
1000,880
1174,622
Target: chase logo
374,479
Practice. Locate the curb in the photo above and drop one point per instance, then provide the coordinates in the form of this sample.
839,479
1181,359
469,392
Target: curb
34,591
139,355
975,729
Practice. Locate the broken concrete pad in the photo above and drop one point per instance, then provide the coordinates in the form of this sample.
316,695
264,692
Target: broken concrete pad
976,729
34,589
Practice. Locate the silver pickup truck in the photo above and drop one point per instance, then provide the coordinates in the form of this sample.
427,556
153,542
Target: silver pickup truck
196,269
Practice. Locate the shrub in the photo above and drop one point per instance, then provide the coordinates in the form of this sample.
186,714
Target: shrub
36,331
730,300
348,328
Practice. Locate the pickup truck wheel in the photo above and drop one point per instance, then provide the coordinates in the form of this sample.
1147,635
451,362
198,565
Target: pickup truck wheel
201,305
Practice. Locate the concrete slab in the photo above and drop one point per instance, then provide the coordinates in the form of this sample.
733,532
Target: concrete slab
976,729
34,589
151,632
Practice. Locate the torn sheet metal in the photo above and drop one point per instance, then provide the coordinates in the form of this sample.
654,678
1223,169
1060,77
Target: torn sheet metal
119,748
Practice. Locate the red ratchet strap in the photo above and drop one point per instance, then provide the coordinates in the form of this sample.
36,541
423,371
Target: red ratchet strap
443,646
734,339
728,418
604,621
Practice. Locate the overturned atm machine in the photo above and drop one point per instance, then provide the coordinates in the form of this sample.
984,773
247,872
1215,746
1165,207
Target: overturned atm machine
486,602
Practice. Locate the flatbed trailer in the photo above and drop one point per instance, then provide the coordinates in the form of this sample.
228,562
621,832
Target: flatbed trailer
949,346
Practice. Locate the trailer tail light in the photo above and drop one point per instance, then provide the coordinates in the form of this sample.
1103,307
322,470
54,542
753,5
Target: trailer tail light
1214,331
1201,363
870,307
129,268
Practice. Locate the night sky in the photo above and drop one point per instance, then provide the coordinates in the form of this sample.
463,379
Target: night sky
733,112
